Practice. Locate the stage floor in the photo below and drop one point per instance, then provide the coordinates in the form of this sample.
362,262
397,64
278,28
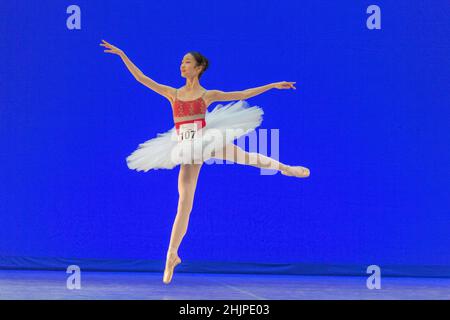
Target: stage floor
34,285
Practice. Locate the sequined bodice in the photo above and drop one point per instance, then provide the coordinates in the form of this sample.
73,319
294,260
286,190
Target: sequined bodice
189,109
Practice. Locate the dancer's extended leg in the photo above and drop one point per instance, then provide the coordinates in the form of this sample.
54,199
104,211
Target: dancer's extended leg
187,182
233,153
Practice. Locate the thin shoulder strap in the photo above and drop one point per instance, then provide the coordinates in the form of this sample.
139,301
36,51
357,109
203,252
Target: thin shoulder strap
176,93
204,93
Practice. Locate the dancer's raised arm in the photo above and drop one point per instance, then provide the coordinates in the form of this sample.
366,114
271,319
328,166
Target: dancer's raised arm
137,73
217,95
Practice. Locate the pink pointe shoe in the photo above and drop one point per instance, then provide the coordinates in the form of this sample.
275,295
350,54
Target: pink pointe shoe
296,171
172,261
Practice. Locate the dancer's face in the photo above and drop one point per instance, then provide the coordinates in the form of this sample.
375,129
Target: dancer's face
188,67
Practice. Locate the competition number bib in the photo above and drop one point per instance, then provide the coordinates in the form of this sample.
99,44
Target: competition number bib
187,131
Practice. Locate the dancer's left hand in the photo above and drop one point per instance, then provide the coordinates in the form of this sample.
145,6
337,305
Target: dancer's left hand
284,85
112,49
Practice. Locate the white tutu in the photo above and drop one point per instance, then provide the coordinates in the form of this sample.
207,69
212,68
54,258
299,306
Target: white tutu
224,124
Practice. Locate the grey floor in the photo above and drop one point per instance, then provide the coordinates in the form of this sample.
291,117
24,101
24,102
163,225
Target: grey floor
34,285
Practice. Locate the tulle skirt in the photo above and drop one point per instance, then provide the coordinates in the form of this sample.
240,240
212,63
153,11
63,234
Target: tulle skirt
224,124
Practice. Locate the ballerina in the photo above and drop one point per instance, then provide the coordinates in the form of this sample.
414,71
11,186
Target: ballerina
194,125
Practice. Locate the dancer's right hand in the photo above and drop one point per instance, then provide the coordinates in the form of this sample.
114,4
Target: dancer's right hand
284,85
112,48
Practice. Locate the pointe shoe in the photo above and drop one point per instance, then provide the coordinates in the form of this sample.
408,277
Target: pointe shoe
172,261
296,171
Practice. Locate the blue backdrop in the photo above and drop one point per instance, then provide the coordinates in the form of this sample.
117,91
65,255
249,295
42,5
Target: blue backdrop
370,118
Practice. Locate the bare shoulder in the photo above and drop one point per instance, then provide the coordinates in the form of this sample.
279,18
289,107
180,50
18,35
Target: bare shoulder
208,97
164,90
219,95
211,93
211,96
170,94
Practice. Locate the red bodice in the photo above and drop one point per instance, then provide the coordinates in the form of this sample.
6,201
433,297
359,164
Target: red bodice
194,109
189,108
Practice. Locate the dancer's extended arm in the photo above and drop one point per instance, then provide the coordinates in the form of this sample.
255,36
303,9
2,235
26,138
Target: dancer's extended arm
217,95
138,74
146,81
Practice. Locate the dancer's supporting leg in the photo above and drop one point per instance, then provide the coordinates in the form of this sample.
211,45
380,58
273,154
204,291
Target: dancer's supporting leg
232,152
187,182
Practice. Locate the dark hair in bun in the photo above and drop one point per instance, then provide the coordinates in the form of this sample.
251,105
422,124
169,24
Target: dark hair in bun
201,61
